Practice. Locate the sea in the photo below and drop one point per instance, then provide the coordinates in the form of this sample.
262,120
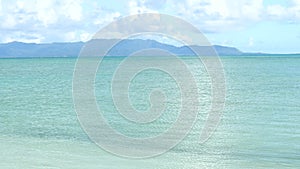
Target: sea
259,126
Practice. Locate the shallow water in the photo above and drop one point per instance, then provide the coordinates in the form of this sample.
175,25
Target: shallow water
260,126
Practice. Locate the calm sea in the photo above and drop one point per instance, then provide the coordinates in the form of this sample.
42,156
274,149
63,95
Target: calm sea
260,126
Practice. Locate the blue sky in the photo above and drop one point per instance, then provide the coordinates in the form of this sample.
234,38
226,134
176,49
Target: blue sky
251,25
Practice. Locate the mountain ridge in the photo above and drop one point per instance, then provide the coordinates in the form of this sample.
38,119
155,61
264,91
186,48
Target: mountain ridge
124,48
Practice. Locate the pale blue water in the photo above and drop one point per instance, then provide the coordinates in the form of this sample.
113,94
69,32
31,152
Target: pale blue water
260,126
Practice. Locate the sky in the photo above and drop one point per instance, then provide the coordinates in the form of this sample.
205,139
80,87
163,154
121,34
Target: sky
271,26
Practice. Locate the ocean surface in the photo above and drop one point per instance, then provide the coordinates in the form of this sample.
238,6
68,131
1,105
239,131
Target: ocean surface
260,125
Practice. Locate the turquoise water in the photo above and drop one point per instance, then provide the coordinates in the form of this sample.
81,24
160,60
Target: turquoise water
260,126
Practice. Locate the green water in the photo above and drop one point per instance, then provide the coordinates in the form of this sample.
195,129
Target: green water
260,126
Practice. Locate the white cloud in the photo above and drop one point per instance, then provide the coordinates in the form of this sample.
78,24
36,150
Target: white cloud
70,36
277,11
289,13
23,37
85,36
139,6
72,9
55,19
49,11
0,7
45,12
252,10
74,36
8,22
105,17
219,15
251,41
294,11
47,18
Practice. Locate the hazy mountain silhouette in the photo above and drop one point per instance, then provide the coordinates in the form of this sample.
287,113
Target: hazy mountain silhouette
124,48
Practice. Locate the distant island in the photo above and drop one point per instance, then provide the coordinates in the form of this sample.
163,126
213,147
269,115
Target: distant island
124,48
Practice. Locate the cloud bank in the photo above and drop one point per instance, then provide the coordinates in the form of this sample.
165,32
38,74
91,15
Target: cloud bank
77,20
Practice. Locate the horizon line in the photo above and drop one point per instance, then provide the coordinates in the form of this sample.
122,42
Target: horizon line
243,52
